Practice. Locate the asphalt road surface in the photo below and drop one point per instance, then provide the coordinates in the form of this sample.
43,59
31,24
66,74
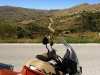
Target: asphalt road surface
19,54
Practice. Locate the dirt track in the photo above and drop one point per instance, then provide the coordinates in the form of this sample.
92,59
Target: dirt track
19,54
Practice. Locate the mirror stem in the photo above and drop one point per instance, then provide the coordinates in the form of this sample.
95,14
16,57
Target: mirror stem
47,48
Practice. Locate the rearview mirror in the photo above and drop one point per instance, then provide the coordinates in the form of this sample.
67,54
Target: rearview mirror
51,43
45,41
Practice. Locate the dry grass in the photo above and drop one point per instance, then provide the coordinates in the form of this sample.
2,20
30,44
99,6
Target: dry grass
26,21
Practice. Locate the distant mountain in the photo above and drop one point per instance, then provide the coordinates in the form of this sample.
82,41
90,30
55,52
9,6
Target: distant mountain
20,14
78,9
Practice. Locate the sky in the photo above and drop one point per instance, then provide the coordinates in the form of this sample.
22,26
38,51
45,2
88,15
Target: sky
46,4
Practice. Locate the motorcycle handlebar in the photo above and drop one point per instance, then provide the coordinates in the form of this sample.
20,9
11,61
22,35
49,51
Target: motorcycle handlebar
49,56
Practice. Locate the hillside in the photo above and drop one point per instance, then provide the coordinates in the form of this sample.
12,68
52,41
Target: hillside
19,14
78,9
78,22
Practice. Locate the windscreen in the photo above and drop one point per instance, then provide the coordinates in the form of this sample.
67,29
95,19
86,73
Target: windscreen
70,51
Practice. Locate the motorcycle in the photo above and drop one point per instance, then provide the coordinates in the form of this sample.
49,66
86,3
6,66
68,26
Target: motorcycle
49,63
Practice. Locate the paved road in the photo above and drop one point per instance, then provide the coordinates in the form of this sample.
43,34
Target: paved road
19,54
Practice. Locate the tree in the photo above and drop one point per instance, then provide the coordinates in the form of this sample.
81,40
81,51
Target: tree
8,30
